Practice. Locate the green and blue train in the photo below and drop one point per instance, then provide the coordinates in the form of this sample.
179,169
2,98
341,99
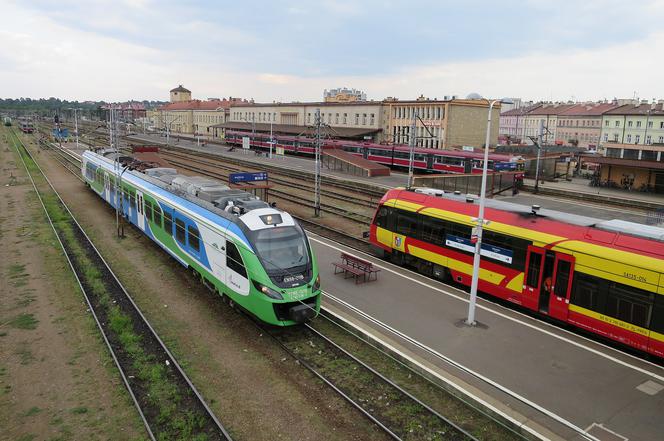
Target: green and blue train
256,255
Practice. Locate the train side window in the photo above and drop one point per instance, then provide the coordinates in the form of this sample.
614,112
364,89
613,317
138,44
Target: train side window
168,223
156,215
629,304
587,292
194,238
433,230
148,210
562,278
179,231
407,224
657,322
534,265
234,260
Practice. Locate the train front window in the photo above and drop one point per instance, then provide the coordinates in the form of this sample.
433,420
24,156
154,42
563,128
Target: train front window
281,247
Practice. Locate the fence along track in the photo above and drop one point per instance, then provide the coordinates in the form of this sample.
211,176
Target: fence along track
207,423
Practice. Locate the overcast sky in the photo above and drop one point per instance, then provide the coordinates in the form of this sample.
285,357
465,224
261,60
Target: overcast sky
292,50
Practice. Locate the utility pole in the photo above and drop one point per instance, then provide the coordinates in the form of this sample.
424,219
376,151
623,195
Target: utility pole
538,143
411,144
271,139
76,127
318,153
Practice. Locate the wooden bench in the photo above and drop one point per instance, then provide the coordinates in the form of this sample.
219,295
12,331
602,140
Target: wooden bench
360,269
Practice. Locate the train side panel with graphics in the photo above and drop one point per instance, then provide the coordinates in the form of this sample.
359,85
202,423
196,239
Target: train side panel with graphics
602,276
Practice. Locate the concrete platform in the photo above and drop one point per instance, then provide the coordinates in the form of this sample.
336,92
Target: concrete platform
567,384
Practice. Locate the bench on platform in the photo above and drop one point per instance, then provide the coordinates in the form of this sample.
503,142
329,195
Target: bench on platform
360,269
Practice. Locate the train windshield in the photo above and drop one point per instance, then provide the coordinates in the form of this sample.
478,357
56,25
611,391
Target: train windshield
281,248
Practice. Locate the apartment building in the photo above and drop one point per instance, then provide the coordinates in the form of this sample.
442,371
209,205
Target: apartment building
641,124
546,116
581,124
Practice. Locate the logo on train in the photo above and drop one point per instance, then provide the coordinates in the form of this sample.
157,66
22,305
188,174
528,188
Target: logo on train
397,241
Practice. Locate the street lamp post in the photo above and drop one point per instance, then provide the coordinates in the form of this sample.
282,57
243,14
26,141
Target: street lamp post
480,219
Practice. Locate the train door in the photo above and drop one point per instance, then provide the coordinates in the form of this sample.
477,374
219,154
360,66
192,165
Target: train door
140,211
533,277
468,166
561,286
365,152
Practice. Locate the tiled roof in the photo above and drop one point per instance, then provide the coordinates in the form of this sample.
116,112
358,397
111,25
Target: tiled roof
551,109
521,110
637,109
589,109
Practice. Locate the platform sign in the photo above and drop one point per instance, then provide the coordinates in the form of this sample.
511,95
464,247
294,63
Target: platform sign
237,178
490,251
245,142
279,151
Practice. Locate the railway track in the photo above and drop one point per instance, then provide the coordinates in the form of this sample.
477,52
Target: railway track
397,412
167,401
332,209
350,196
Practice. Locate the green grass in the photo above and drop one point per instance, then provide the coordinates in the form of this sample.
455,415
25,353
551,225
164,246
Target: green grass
79,410
24,321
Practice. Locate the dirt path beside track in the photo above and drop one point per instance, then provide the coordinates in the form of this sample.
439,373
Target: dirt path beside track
57,380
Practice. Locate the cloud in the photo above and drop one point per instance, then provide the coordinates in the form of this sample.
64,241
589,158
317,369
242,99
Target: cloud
293,50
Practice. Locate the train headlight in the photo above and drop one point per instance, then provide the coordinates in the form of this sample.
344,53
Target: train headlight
271,293
316,285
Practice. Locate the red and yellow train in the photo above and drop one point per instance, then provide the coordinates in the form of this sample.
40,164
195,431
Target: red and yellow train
606,277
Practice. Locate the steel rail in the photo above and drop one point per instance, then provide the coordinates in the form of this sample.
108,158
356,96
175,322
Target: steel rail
172,358
390,382
372,203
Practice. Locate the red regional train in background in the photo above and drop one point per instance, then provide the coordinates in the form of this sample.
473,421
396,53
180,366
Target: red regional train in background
425,159
606,277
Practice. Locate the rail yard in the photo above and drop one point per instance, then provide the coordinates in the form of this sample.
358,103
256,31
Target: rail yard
195,363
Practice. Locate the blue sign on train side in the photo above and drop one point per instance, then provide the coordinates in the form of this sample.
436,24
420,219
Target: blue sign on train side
237,178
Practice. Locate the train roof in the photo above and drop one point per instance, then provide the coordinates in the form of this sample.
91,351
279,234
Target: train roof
249,207
527,214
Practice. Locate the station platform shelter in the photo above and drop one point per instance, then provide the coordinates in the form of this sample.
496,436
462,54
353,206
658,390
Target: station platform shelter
344,133
632,167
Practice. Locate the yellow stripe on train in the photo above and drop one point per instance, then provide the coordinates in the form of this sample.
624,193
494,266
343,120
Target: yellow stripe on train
616,322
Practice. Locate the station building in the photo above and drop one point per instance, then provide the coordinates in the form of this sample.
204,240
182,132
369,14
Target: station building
356,120
190,116
452,122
